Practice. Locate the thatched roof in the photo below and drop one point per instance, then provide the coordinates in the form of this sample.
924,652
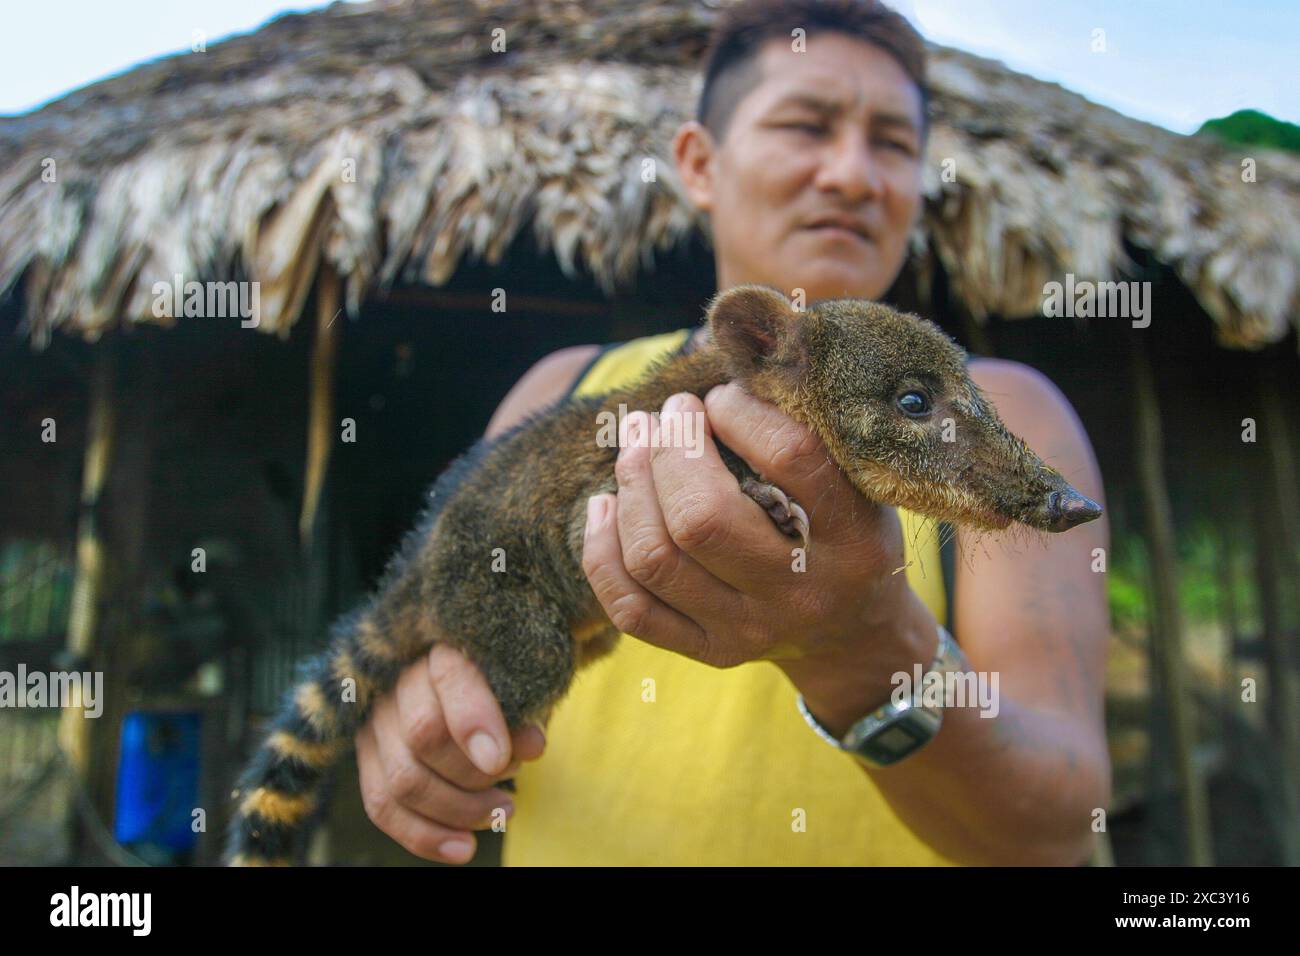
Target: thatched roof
229,164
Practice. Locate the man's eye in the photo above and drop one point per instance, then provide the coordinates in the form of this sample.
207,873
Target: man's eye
914,403
899,145
804,127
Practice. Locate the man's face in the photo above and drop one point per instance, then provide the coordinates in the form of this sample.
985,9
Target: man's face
831,133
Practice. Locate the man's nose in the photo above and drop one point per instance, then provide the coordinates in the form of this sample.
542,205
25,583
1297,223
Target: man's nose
850,169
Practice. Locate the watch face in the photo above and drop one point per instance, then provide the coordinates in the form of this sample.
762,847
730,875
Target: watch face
907,732
896,741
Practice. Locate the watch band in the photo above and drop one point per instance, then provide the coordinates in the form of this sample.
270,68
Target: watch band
894,731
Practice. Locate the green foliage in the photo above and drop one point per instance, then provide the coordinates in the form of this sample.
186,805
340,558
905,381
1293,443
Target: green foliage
1253,128
35,589
1199,598
1127,583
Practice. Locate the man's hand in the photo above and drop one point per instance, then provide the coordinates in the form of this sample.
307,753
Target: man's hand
680,558
415,755
431,753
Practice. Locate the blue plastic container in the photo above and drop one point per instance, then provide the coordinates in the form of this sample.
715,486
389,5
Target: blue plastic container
158,779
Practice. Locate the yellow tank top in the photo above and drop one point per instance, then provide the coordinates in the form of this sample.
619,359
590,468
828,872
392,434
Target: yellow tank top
656,759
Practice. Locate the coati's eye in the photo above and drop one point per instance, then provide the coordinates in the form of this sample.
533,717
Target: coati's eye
914,403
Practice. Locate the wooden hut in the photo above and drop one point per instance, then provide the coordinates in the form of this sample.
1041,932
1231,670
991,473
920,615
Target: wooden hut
431,195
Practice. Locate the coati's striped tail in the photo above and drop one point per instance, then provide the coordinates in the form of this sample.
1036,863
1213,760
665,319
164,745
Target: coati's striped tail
278,792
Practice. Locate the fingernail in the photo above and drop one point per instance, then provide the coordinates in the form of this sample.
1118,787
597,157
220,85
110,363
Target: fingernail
673,405
634,428
596,506
484,751
541,730
456,850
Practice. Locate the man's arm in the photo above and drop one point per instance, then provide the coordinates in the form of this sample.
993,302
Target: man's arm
546,382
682,561
433,749
1021,787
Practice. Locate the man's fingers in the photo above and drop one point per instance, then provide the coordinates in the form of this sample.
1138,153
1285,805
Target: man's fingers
786,453
527,743
698,503
418,727
630,607
417,834
410,784
470,709
650,554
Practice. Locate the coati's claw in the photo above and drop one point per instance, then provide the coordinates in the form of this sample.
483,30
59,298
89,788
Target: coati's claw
780,507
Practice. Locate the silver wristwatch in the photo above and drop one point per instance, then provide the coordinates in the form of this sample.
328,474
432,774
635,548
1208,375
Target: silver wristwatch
895,730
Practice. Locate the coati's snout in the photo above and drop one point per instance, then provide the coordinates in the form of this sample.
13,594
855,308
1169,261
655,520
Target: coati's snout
1001,481
890,396
1066,508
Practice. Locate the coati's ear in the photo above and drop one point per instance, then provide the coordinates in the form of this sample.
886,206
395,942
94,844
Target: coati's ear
751,323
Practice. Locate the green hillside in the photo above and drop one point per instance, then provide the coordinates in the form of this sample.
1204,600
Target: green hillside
1253,128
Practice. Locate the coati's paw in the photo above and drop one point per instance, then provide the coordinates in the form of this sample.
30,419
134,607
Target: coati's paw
780,507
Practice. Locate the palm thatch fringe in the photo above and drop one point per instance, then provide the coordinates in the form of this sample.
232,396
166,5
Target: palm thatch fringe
390,141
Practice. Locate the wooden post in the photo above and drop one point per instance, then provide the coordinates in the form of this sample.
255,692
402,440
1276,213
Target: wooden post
1276,521
321,436
1166,633
112,540
88,580
1270,693
1276,433
1229,623
321,426
126,510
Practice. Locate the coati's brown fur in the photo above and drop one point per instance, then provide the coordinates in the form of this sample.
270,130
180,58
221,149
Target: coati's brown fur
841,367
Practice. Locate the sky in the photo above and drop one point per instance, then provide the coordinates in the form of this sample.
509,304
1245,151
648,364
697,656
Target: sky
1175,63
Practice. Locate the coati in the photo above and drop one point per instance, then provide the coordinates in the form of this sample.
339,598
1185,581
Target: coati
888,394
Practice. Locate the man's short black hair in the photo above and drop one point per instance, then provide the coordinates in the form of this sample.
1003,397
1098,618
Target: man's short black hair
731,62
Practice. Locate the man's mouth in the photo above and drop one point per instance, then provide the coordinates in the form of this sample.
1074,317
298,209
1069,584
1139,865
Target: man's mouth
840,227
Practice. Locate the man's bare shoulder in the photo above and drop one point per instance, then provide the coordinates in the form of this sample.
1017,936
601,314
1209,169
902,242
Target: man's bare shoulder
548,380
1033,407
1011,378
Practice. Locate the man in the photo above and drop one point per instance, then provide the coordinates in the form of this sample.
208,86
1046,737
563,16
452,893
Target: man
808,161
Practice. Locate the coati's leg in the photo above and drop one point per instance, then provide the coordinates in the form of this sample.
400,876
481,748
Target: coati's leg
784,511
596,646
780,507
526,653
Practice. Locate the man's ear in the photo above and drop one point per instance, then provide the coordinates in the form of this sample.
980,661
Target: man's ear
751,324
693,151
